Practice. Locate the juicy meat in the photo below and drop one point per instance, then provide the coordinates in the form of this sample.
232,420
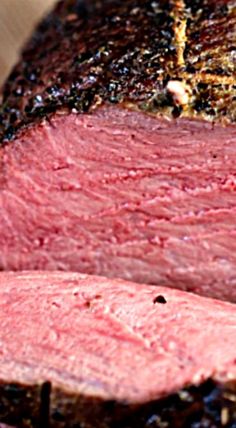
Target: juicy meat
122,162
112,193
66,359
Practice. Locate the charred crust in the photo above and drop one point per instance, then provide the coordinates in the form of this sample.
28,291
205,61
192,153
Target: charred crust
44,412
20,405
87,53
207,405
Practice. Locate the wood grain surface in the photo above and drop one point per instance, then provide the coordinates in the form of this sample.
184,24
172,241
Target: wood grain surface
17,20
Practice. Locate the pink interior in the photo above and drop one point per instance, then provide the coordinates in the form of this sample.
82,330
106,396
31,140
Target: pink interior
78,331
120,193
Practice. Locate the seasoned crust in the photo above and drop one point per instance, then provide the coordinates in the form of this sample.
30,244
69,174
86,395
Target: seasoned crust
205,406
86,53
208,405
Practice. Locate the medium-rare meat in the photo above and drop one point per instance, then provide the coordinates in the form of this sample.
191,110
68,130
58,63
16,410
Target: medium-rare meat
91,352
118,145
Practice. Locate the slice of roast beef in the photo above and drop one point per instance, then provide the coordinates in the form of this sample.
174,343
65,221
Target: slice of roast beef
84,351
118,145
6,426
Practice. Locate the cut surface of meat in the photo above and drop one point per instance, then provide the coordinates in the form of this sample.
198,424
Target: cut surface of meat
122,161
111,193
80,350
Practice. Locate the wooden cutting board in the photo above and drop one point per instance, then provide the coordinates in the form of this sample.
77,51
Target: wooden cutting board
17,20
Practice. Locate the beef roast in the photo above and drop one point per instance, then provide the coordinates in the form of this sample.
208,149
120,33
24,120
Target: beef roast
118,145
84,351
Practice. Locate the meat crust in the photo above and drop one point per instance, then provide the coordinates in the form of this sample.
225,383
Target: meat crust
130,53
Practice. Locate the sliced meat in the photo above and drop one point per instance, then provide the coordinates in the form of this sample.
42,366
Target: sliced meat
5,426
87,351
122,120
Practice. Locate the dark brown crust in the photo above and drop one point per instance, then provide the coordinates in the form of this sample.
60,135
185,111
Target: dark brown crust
89,52
208,405
21,405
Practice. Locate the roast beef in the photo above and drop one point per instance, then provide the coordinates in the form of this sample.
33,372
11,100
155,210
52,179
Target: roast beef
84,351
118,145
5,426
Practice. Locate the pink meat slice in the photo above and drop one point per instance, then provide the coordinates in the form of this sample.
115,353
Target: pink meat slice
6,426
117,145
123,194
96,340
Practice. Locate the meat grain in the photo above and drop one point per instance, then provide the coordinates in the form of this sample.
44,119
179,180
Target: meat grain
118,145
80,350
